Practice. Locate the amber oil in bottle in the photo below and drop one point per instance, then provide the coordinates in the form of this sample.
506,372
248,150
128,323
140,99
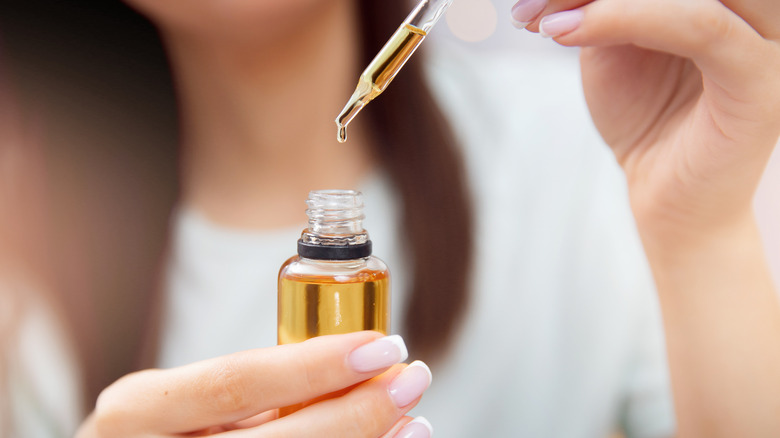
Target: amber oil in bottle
334,285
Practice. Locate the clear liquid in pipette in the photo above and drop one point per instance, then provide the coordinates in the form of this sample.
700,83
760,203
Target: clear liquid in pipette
378,75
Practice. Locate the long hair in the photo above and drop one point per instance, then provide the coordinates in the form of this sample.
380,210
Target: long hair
94,77
19,249
110,239
418,148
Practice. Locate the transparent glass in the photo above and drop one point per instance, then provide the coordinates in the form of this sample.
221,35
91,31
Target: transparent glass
319,297
325,296
427,13
390,59
335,218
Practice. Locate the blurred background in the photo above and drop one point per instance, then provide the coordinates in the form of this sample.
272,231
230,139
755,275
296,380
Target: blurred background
93,110
484,25
89,85
85,89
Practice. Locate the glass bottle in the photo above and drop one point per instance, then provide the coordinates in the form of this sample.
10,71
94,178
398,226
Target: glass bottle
334,285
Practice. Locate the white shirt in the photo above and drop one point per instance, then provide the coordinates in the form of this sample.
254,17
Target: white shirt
563,337
37,369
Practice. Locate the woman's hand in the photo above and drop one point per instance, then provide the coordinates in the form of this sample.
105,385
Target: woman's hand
686,93
240,393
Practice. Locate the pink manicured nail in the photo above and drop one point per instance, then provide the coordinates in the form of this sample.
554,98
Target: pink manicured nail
410,384
417,428
382,353
560,23
526,11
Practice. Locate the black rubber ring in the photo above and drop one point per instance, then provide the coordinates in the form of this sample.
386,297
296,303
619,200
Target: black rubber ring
334,252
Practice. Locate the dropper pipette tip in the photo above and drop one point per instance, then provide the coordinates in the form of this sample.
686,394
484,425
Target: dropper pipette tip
342,133
357,101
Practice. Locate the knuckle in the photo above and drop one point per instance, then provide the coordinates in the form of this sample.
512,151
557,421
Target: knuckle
107,425
105,419
374,413
225,387
311,373
312,368
110,419
713,26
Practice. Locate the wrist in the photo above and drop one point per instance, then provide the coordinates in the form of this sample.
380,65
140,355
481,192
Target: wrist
684,217
680,243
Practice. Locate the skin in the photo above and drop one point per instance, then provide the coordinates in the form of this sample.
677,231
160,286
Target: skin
242,121
220,52
686,94
239,394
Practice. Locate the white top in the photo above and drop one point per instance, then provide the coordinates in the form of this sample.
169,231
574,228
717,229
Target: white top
37,368
563,337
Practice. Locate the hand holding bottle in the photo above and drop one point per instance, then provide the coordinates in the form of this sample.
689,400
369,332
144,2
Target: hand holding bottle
240,393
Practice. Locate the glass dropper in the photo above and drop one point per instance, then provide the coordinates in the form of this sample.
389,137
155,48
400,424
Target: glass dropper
389,61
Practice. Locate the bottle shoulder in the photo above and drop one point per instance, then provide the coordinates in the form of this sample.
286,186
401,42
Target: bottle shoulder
298,268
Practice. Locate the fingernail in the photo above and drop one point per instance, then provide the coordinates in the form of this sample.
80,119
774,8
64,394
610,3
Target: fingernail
410,384
526,11
382,353
417,428
560,23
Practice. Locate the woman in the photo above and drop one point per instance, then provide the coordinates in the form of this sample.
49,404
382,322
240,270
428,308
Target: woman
692,129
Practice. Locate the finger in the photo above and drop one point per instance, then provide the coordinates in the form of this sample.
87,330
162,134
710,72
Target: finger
762,15
526,13
254,421
257,420
418,427
369,410
731,55
228,389
397,427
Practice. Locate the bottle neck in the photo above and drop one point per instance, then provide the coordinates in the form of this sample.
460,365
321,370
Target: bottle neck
335,229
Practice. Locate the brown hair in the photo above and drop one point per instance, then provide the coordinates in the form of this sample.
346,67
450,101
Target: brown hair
109,242
417,146
94,79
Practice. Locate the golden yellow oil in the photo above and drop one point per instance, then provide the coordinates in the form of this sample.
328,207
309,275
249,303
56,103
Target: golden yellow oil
312,306
340,302
380,72
392,57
